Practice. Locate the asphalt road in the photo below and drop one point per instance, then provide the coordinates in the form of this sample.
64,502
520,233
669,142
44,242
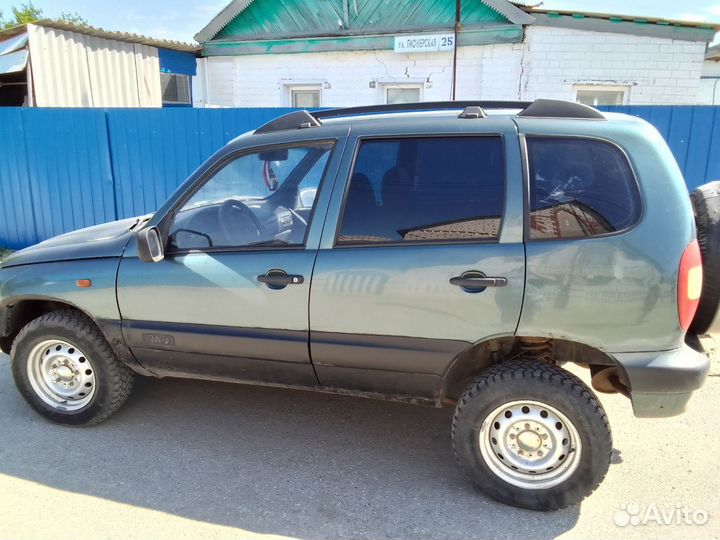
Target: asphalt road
188,459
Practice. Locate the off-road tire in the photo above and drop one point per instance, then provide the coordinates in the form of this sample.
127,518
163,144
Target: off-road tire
548,384
114,379
706,205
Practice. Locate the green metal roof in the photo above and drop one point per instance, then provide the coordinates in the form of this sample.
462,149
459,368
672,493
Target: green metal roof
281,18
278,19
257,26
267,26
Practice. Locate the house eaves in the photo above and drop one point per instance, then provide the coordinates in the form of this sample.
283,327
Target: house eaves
512,13
222,19
623,24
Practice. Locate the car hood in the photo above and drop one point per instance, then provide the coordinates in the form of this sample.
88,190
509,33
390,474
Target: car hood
106,240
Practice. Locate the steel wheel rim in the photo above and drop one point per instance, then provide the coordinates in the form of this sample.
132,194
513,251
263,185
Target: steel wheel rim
529,444
61,375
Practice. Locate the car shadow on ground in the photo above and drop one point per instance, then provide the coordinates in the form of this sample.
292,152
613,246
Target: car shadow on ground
269,461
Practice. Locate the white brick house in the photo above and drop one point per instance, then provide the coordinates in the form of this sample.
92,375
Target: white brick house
710,80
270,53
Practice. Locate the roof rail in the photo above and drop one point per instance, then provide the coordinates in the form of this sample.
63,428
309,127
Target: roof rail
293,120
556,108
540,108
422,106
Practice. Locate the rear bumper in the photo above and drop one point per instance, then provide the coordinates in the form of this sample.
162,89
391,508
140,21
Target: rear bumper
661,383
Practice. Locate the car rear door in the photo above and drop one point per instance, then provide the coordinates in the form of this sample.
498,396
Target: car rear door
421,255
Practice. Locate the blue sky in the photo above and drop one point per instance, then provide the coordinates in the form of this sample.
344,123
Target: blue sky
182,19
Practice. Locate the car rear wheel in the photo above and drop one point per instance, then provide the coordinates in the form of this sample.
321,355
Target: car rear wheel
532,435
64,368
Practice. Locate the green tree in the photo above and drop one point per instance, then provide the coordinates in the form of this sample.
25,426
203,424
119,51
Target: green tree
73,18
22,14
27,13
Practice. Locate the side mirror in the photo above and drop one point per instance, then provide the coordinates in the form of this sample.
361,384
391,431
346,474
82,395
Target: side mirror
306,198
149,245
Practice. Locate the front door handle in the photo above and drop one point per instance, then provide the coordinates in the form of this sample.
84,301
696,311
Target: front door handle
278,279
476,282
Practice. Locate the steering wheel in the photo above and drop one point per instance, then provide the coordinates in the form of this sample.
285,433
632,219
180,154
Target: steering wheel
239,224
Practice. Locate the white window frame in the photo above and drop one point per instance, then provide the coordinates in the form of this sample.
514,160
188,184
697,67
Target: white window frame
293,87
625,89
390,86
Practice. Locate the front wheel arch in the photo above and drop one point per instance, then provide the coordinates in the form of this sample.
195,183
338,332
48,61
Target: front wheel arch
20,312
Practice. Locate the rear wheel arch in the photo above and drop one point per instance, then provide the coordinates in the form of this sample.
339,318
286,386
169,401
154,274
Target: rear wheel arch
466,366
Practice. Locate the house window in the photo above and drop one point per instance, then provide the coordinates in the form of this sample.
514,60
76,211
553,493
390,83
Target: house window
175,89
600,95
402,94
305,97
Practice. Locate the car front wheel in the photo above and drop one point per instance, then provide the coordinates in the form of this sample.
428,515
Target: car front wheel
532,435
65,369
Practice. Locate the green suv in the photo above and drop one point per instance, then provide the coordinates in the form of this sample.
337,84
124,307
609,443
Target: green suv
446,254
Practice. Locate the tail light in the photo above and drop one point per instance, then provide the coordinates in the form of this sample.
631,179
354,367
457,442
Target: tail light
690,280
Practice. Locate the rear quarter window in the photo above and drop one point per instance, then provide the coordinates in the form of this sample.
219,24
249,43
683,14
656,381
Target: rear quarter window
579,188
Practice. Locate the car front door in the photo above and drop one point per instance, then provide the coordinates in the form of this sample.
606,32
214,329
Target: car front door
230,299
422,255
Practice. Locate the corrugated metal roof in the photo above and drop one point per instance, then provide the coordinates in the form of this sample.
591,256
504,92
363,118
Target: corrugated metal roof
105,34
12,44
614,17
13,62
13,55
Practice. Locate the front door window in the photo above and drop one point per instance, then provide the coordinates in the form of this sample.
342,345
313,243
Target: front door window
259,199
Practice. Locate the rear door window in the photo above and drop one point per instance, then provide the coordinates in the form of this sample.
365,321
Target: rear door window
579,188
425,189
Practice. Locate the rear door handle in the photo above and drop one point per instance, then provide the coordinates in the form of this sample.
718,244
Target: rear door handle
278,279
473,283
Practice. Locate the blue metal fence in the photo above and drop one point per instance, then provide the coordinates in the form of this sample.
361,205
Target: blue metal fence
693,134
62,169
